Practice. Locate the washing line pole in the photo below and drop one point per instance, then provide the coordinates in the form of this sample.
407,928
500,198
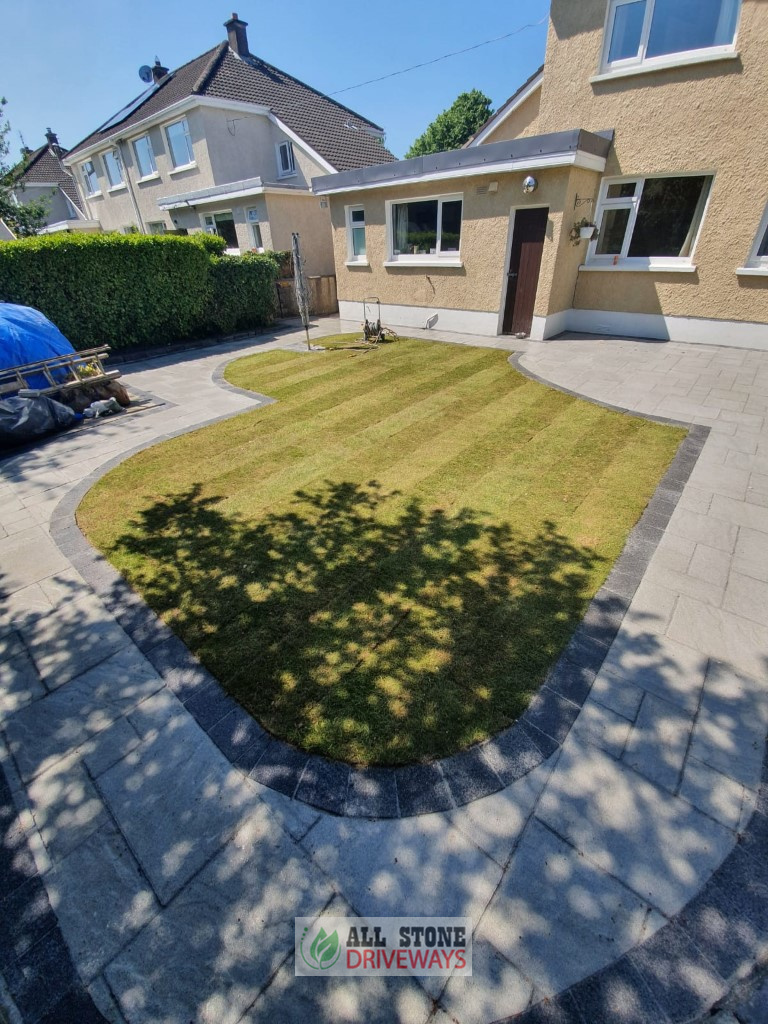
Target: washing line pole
300,284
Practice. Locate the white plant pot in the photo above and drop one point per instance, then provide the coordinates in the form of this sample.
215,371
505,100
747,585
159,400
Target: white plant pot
586,233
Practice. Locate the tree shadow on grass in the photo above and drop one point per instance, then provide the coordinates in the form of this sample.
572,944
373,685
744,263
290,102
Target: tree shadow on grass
358,623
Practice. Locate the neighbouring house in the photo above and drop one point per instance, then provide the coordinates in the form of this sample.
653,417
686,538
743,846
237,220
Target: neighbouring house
226,144
41,175
648,120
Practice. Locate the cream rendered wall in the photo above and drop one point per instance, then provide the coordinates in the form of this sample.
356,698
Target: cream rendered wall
115,209
304,214
695,118
521,122
480,284
58,207
243,145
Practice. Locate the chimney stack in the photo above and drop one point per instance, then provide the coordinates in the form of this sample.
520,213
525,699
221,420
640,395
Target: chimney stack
238,37
158,71
52,138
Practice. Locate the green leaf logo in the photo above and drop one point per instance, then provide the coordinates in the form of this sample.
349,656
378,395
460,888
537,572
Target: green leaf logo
324,951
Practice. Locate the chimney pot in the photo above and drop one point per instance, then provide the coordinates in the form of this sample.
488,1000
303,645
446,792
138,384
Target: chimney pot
238,37
158,71
52,138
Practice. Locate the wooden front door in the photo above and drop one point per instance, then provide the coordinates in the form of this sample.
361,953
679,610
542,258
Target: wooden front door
524,265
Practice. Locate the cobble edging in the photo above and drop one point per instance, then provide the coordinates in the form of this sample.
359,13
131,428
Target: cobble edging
35,961
384,792
692,962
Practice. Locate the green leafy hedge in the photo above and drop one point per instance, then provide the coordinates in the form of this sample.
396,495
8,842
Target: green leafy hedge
126,290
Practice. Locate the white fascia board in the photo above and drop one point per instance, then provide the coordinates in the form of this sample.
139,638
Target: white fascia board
300,142
166,114
67,225
179,204
578,159
501,115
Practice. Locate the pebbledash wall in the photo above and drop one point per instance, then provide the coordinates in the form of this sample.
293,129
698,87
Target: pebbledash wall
711,118
468,299
707,118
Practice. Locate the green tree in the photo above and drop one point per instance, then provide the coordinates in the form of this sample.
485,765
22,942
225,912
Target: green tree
21,218
452,128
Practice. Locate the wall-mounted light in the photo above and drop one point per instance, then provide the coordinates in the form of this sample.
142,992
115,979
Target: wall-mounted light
530,185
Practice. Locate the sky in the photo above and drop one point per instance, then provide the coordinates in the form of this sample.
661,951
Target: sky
69,66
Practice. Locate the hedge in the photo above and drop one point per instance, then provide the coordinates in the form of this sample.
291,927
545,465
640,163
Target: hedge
128,290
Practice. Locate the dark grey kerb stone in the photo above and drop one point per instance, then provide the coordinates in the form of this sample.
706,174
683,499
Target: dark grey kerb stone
387,792
34,960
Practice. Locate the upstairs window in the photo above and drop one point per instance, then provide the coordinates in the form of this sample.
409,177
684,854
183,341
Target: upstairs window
356,249
145,157
426,229
113,167
644,32
180,144
286,165
647,222
90,178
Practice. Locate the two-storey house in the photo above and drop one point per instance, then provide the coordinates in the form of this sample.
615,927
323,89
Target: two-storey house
649,120
226,144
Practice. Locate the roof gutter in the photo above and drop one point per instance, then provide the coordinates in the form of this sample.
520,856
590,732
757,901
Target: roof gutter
576,148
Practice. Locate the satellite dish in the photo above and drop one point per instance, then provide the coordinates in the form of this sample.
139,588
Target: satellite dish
145,73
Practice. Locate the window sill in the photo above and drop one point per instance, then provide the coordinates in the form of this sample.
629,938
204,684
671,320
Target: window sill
663,65
93,195
292,174
425,262
357,263
150,177
117,188
752,271
183,167
660,268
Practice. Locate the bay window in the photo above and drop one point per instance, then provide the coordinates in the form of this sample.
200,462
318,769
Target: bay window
422,230
644,32
647,222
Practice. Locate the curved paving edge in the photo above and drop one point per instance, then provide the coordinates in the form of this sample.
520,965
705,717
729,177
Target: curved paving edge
382,792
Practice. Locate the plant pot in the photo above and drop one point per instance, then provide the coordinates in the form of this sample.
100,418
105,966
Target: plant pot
587,232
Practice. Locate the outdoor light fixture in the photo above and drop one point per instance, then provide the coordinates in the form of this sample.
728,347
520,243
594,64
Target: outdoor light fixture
530,185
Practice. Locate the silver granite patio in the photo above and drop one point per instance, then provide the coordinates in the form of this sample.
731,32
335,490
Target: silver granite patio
174,877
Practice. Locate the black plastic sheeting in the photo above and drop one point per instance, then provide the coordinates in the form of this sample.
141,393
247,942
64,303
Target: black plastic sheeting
25,419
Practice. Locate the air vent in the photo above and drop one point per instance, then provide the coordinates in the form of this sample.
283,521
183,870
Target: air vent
481,190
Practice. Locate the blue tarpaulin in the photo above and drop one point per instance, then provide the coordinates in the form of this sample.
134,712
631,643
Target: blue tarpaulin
26,336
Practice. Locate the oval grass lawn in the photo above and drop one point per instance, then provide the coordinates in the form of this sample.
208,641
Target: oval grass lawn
382,566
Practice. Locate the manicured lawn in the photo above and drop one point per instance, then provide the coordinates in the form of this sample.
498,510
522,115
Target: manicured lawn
382,566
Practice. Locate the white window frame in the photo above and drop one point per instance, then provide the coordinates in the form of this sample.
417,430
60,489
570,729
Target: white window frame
254,223
114,186
153,163
288,146
156,223
352,259
757,265
622,261
210,229
436,259
190,147
87,178
640,61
